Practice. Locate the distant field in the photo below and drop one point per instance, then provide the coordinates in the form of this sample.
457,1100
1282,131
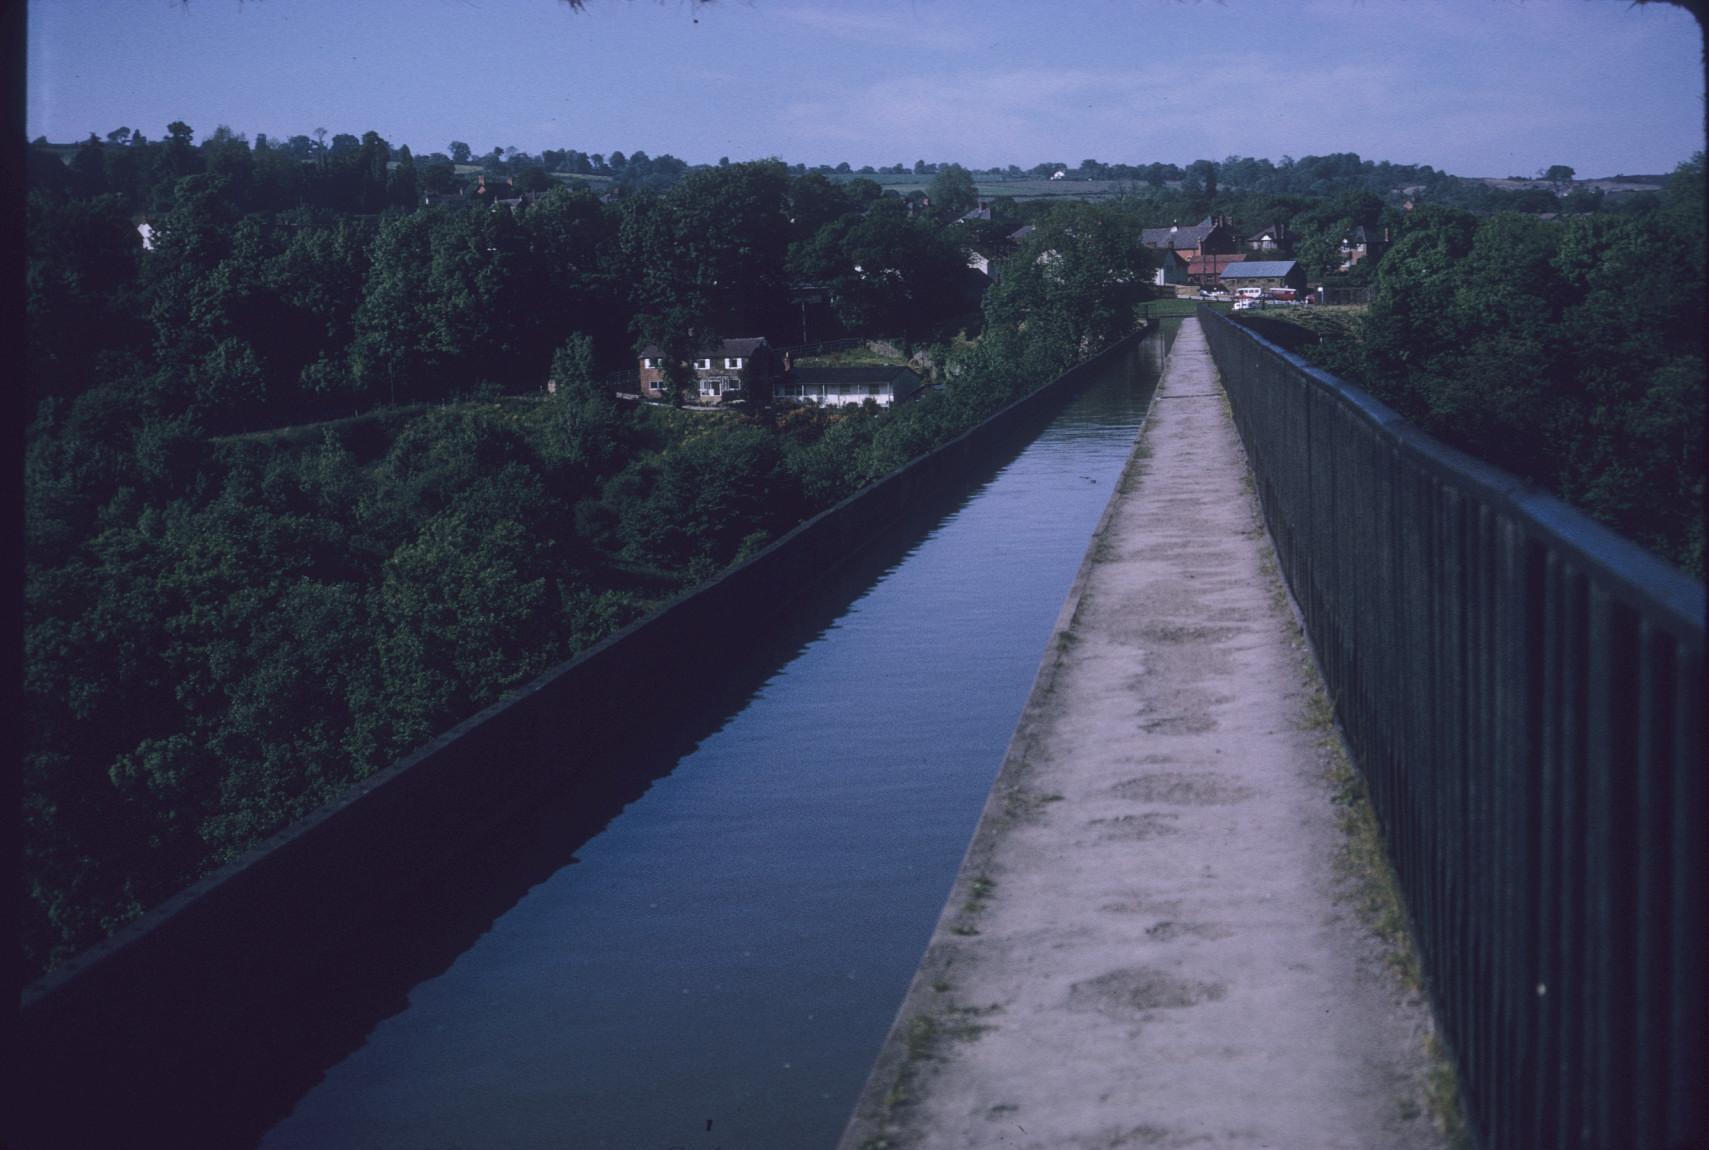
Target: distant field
1608,186
1028,188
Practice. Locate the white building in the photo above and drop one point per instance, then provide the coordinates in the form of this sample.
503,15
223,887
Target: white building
846,386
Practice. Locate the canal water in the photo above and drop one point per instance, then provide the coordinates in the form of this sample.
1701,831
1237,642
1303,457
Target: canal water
717,963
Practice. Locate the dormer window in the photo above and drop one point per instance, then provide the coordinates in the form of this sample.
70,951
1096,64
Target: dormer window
703,364
733,363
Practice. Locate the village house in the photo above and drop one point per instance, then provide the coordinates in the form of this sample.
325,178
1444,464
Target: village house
722,373
1273,240
884,384
1359,244
1171,270
1264,275
1208,271
1213,235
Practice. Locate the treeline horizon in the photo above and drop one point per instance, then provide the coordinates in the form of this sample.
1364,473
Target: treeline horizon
438,171
307,146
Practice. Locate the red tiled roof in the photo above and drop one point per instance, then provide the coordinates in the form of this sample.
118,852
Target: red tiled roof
1213,264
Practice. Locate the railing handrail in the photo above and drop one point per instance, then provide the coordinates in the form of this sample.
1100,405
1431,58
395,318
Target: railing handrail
1643,576
1521,689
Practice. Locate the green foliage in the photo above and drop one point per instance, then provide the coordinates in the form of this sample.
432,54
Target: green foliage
952,192
1570,354
221,632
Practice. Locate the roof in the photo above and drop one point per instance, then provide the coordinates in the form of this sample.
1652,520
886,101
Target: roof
745,346
1261,269
1175,236
873,373
1022,232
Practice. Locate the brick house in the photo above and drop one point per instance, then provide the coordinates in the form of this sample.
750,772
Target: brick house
1213,235
721,373
1207,271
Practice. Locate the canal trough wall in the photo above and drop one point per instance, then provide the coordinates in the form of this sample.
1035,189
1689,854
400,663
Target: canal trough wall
168,1008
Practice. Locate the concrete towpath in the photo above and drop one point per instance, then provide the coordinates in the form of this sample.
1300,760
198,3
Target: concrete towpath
1156,940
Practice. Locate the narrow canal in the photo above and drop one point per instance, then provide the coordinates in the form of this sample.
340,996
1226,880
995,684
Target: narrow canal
717,964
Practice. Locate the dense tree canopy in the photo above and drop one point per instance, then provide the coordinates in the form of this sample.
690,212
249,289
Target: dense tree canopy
295,497
232,614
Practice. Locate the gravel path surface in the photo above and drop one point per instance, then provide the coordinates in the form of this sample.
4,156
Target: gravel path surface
1152,942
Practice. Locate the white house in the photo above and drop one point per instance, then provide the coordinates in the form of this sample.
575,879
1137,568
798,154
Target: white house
884,384
1171,268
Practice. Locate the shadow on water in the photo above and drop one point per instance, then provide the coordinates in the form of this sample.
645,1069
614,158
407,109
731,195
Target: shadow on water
367,975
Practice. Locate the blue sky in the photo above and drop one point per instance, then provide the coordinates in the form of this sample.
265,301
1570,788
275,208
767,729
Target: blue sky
1476,87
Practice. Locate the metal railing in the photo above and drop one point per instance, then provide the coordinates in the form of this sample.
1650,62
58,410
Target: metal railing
1523,691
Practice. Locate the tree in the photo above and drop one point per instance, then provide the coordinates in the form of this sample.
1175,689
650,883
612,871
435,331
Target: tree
89,168
177,158
814,201
534,180
438,175
1200,185
897,276
712,251
226,154
459,152
952,192
403,188
373,159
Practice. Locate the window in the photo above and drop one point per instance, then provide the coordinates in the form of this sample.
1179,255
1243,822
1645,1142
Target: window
732,385
733,363
703,364
650,363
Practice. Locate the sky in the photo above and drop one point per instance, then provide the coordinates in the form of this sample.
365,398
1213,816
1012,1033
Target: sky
1473,87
